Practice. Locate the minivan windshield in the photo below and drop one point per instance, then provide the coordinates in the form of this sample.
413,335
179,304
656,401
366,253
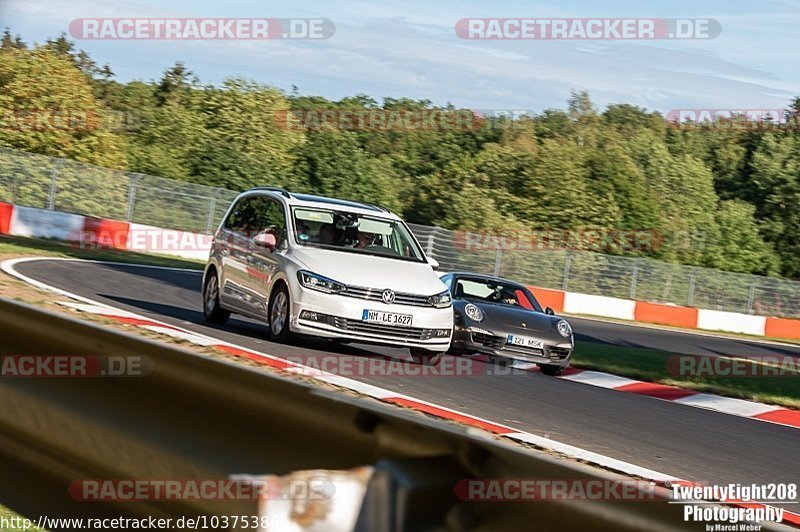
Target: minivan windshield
354,232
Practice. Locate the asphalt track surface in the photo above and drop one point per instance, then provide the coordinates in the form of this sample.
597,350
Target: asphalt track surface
690,443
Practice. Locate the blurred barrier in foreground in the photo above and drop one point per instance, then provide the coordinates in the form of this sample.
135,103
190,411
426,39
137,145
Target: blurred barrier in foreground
63,185
190,417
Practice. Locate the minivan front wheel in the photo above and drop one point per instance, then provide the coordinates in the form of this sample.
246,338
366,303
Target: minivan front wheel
425,357
212,311
278,318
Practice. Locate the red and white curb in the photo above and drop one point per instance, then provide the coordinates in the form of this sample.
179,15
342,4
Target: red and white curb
718,403
387,396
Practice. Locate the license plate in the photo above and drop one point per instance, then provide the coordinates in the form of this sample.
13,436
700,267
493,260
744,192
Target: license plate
387,318
524,341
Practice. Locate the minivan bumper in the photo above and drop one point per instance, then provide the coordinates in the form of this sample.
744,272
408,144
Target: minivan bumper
340,317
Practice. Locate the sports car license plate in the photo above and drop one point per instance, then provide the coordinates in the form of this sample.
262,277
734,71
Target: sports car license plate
524,341
387,318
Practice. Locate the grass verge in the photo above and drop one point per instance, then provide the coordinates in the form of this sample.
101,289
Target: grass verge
11,522
11,246
651,365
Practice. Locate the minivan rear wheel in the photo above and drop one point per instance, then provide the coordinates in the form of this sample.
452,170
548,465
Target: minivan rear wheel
212,311
278,318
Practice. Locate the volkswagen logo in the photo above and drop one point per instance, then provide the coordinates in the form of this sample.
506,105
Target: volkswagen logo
387,296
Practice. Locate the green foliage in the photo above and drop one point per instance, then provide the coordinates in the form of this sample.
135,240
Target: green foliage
723,197
47,106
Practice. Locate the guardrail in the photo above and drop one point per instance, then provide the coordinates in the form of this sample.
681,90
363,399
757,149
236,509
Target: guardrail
193,416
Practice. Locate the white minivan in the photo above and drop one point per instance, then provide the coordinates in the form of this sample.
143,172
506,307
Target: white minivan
332,268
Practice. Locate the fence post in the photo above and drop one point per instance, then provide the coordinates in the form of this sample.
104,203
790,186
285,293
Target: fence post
132,196
565,280
751,296
429,244
498,255
51,200
212,208
690,295
634,279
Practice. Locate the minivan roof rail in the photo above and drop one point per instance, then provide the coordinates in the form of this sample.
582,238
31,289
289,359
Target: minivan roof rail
285,193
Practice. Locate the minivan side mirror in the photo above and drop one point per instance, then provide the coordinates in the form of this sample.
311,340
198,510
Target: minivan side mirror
265,240
549,311
433,262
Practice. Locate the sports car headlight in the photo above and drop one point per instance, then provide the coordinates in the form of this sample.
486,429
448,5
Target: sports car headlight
564,329
473,312
319,283
442,300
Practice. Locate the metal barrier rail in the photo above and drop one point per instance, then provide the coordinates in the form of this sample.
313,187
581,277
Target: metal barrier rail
193,416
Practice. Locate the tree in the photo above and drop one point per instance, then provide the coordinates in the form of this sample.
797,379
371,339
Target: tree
244,143
738,245
49,108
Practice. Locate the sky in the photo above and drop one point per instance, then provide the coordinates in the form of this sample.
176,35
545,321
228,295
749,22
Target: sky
410,48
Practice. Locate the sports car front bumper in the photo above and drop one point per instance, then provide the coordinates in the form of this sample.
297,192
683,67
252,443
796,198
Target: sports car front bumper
495,343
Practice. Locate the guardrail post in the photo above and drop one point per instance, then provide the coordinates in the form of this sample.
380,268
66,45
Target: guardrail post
751,296
690,294
132,196
429,244
51,200
634,279
565,280
497,257
212,207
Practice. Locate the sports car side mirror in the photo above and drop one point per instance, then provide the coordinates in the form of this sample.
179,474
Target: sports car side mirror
434,263
549,311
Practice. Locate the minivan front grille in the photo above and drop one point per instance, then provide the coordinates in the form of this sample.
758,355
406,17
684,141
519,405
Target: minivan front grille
374,294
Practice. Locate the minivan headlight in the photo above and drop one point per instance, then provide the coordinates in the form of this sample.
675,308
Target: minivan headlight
442,300
318,282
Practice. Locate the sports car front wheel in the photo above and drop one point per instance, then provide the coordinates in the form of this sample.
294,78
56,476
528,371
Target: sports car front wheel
425,357
552,369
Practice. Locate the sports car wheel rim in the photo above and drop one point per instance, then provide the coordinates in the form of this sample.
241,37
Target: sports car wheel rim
278,317
212,291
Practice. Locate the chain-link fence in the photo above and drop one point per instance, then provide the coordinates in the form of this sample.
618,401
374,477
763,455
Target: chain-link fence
69,186
614,276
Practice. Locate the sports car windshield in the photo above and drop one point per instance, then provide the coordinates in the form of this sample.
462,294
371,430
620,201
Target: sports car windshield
496,292
355,233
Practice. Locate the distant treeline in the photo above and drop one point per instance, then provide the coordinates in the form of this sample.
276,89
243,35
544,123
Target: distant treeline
724,197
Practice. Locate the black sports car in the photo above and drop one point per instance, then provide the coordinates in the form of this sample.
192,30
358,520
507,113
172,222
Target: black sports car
502,319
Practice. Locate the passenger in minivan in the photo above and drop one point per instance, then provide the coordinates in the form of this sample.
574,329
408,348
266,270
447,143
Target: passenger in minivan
327,234
364,240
